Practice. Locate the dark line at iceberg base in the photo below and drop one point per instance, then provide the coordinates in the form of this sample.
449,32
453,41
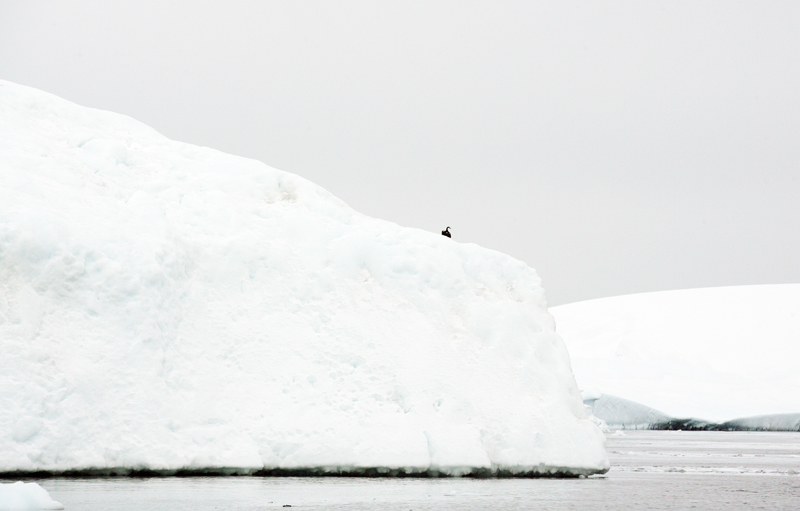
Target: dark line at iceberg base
365,472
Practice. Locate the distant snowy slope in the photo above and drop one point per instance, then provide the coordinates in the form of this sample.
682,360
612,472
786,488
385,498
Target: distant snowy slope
167,306
714,354
620,413
776,422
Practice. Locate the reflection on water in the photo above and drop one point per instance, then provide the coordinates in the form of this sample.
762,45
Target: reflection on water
650,470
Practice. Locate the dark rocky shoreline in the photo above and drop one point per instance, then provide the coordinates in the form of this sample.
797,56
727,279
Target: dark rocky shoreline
777,422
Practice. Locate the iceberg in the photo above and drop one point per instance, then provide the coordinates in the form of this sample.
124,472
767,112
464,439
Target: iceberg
169,309
714,354
22,496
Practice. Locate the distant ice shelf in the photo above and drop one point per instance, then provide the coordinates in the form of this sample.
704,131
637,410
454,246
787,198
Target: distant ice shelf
714,353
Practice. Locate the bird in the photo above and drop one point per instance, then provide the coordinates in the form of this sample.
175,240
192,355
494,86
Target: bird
446,232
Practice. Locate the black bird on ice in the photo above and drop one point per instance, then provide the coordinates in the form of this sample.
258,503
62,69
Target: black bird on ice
446,232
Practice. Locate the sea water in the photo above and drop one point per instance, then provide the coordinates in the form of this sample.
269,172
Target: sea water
650,470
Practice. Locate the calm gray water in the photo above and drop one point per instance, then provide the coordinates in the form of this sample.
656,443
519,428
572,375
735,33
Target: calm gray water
651,470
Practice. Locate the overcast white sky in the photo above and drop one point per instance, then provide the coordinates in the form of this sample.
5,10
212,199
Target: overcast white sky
616,147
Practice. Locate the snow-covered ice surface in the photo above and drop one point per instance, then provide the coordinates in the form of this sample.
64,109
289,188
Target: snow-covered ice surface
713,354
165,306
20,496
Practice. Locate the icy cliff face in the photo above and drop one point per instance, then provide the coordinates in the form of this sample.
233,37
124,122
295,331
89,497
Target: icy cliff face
167,306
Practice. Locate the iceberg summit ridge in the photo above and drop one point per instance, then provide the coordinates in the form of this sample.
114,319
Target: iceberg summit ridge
166,307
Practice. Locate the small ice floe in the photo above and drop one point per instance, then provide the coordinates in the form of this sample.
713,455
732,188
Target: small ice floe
618,432
21,496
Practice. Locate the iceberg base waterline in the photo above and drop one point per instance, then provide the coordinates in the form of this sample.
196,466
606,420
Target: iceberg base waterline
371,472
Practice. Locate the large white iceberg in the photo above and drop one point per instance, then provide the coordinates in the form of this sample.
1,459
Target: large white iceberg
169,307
712,354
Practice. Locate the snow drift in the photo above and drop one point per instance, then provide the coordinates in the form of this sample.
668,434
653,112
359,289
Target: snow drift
168,307
714,354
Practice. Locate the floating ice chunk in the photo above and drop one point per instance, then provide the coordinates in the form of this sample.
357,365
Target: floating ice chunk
21,496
